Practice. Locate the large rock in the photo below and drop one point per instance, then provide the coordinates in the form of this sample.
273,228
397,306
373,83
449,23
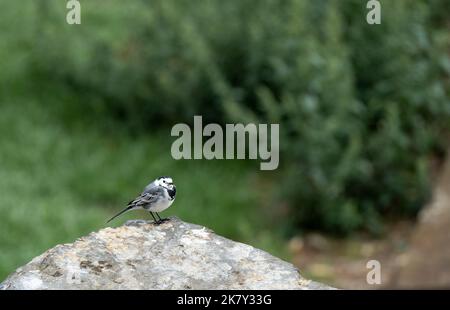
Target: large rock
141,255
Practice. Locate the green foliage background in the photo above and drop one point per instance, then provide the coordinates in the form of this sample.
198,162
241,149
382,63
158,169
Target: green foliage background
362,110
362,107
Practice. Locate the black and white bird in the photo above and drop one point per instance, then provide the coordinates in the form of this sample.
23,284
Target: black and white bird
156,197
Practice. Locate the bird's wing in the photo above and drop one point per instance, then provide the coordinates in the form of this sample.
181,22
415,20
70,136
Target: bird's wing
147,197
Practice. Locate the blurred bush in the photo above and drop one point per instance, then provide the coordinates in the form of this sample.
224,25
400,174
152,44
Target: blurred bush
361,107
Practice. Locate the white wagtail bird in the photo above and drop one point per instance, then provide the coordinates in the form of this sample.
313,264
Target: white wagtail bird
156,197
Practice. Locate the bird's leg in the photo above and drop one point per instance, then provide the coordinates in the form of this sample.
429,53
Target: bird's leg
160,219
154,219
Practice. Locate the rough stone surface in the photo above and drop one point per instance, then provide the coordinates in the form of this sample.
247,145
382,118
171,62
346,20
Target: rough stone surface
141,255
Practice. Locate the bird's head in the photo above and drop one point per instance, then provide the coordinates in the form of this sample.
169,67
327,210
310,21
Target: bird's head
165,182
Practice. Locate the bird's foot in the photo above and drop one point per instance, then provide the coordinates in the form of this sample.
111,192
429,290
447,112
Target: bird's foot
160,221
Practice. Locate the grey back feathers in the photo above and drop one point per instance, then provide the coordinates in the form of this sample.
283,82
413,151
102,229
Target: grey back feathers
151,185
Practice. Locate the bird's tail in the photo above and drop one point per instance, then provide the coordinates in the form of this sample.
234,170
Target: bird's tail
128,208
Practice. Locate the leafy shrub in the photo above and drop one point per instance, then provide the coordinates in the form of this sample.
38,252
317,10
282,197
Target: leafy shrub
364,108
